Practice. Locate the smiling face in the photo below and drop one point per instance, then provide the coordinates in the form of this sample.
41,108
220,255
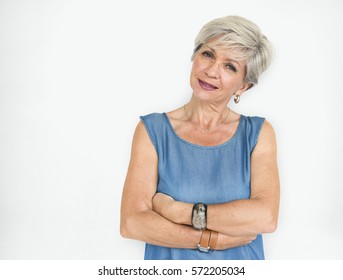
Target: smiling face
215,76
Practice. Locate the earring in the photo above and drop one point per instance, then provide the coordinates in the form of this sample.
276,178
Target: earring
236,98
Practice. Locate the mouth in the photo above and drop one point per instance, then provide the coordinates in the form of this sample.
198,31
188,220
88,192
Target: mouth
206,86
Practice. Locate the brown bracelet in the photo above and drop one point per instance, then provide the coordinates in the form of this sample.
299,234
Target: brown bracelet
208,240
203,245
213,240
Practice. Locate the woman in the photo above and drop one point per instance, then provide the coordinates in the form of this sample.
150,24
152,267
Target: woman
203,181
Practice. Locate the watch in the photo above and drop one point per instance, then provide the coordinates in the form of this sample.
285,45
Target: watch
204,244
199,216
208,241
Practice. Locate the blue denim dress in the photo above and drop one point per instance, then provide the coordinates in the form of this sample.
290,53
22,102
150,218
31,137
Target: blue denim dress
193,173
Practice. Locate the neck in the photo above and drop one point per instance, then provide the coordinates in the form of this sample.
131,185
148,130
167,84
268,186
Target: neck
206,116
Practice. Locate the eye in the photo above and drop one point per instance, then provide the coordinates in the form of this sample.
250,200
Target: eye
231,67
207,54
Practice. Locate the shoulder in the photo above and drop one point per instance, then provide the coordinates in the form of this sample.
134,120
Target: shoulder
153,122
152,117
259,131
266,141
260,123
142,143
150,129
267,132
253,121
145,128
267,128
250,127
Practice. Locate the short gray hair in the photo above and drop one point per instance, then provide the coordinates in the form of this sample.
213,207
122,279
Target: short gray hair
243,39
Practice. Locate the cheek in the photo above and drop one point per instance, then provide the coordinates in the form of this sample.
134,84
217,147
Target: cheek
231,82
228,82
197,66
194,72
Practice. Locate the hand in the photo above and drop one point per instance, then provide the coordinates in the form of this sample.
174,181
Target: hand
227,241
162,204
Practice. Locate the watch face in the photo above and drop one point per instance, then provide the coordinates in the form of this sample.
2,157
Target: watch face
199,216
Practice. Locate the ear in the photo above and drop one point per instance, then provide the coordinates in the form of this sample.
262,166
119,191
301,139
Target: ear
244,88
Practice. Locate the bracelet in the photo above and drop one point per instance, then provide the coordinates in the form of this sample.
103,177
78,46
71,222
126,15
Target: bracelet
213,240
199,216
208,241
203,245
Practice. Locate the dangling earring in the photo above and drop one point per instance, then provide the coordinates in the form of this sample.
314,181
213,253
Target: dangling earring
236,98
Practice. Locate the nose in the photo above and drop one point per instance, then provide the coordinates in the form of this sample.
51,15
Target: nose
213,70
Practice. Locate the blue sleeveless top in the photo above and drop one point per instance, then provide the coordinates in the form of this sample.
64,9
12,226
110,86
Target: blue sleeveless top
210,174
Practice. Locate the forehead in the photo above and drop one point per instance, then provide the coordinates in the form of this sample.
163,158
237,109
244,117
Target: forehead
227,47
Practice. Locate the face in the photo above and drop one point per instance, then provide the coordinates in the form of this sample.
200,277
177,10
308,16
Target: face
216,76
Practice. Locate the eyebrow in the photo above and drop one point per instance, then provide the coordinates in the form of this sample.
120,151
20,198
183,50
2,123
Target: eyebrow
228,59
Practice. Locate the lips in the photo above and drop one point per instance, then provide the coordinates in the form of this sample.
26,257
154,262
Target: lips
206,86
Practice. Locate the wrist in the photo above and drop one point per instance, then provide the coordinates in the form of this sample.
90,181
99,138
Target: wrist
208,241
199,216
195,237
182,213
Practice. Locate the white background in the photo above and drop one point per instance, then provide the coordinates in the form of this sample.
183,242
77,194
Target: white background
76,75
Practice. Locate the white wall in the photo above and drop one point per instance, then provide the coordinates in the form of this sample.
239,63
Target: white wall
76,75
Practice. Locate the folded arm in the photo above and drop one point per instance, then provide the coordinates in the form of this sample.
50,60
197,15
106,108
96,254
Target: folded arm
256,215
138,218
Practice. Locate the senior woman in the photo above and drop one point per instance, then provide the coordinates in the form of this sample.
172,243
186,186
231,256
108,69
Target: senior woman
202,182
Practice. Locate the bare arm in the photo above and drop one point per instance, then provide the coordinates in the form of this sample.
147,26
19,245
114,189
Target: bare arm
252,216
138,220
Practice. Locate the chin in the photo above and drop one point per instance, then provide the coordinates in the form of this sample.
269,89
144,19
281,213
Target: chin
204,95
